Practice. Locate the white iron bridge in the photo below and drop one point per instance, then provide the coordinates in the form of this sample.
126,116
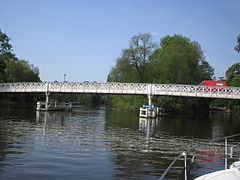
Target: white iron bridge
122,88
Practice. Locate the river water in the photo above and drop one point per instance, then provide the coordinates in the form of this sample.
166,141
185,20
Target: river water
99,143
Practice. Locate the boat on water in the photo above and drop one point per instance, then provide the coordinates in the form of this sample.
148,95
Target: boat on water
233,173
229,173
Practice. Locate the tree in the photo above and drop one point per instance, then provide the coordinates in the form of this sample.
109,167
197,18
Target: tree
232,75
205,71
123,71
131,66
11,68
5,53
235,81
14,70
21,71
141,47
179,60
4,43
237,47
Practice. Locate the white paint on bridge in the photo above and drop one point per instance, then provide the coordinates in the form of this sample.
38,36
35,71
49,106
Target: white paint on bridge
122,88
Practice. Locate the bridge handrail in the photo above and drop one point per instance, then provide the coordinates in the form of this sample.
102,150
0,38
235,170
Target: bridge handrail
125,88
193,148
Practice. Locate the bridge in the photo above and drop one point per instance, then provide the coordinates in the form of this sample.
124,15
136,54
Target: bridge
122,88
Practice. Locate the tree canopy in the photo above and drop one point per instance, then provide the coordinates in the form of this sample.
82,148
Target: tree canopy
176,60
233,72
179,60
233,75
5,46
134,59
237,47
13,69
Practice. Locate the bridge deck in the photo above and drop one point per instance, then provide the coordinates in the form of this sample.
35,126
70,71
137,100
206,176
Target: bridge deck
123,88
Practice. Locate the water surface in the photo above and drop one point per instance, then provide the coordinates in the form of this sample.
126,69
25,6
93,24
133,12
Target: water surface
98,143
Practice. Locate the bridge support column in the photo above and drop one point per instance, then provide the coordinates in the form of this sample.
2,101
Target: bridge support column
148,111
47,96
150,99
47,99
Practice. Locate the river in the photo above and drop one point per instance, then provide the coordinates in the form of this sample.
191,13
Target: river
100,143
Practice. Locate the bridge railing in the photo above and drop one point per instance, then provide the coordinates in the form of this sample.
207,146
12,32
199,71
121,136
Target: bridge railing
108,88
124,88
196,91
23,87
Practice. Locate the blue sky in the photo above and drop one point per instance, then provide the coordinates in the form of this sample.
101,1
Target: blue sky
83,38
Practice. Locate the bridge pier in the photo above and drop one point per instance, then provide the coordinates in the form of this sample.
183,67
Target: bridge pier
46,101
148,110
47,93
150,99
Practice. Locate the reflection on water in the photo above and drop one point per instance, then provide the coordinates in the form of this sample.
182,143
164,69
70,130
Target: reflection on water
98,143
148,125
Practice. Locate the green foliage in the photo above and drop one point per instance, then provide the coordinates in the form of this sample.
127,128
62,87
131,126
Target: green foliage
123,72
177,60
137,55
237,47
205,71
21,71
127,102
132,67
2,69
83,99
5,46
232,75
183,104
171,104
13,69
235,81
236,109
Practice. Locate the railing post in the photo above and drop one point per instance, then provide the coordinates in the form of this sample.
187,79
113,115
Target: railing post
185,165
226,153
231,152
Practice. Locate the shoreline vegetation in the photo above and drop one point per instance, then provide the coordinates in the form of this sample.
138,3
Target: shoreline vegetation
173,60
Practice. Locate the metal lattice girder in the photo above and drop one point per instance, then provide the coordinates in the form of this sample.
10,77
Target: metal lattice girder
123,88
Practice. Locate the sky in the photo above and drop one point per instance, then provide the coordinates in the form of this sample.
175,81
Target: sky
84,38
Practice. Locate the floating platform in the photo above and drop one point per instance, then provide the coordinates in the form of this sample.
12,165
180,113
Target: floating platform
149,111
54,106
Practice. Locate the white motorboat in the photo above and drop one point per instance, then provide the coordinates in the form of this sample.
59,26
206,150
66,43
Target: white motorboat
231,173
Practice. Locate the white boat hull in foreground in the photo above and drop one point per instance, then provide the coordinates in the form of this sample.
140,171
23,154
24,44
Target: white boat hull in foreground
229,174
